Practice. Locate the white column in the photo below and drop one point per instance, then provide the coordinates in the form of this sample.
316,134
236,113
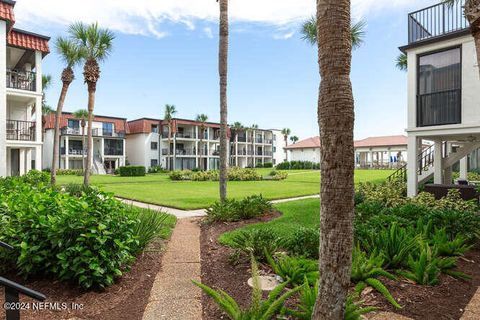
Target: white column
438,163
236,150
464,168
447,178
38,99
3,99
66,152
173,157
370,158
28,159
412,166
102,149
197,147
22,162
38,158
389,158
124,160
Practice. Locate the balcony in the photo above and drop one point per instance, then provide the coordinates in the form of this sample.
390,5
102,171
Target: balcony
439,108
185,152
267,153
108,133
73,151
186,135
436,21
21,80
21,130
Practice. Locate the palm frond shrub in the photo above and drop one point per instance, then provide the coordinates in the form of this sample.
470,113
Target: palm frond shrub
256,242
293,269
259,309
424,269
366,270
150,224
303,242
447,247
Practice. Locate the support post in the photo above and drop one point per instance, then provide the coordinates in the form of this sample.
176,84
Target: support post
464,168
438,162
412,166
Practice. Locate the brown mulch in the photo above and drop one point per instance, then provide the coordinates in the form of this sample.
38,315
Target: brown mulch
218,272
124,300
444,301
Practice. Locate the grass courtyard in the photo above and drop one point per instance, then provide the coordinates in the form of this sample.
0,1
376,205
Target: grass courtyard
159,189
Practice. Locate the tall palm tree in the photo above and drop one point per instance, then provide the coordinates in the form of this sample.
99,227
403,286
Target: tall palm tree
401,62
357,30
82,115
236,127
223,71
96,44
46,84
294,139
336,120
69,52
202,119
170,111
286,132
253,128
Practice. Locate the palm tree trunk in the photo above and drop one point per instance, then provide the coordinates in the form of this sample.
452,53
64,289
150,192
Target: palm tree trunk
91,105
200,153
56,139
286,144
223,68
83,147
336,119
169,166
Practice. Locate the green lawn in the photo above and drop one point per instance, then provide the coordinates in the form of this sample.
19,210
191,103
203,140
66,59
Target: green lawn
295,214
159,189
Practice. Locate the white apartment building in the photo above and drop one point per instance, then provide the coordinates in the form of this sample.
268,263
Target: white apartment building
196,145
21,54
443,94
108,135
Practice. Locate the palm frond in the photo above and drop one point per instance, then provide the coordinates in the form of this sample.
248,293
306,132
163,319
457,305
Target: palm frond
358,34
401,62
69,51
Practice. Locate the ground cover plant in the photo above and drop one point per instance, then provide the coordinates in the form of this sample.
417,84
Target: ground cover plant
88,238
296,165
132,171
160,189
235,210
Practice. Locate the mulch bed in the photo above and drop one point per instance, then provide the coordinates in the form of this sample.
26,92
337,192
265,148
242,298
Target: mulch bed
125,300
444,301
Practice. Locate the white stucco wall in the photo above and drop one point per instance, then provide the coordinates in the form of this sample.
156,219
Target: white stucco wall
278,147
139,151
47,149
306,154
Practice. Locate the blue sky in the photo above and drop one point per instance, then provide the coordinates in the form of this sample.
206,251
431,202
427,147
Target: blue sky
170,56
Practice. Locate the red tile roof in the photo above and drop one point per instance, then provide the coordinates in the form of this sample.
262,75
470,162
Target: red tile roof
27,40
120,124
6,13
143,125
383,141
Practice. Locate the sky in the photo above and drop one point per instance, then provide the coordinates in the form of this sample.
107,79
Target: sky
166,51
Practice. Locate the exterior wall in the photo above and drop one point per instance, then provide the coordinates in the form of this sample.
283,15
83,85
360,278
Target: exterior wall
139,151
3,98
306,154
48,149
470,83
278,147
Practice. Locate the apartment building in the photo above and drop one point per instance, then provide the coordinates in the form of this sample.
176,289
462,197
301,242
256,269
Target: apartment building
197,145
108,134
21,55
443,94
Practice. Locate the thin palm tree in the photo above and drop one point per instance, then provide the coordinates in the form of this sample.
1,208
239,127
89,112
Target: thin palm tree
69,52
223,71
401,62
170,111
46,84
235,128
336,122
82,115
294,139
96,45
202,119
254,127
286,132
357,30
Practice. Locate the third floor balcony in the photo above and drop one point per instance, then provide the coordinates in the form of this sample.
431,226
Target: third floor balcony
22,80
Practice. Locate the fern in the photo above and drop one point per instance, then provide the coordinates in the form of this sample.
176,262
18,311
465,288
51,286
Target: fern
423,270
294,269
447,247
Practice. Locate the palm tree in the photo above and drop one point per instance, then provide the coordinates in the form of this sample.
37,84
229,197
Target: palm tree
294,139
222,71
253,128
170,111
82,115
286,132
69,52
46,84
336,120
236,127
95,46
202,119
401,62
309,32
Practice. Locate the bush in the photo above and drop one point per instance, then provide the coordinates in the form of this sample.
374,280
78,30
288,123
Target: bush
150,224
77,189
278,175
234,174
298,165
303,242
293,269
69,172
155,169
268,165
89,240
390,194
132,171
235,210
256,242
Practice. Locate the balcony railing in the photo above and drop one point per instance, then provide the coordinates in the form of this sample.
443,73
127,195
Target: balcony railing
21,80
435,21
73,152
185,152
439,108
186,135
95,132
21,130
267,153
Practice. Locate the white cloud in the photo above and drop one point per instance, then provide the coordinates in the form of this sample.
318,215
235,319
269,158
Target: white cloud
146,16
208,32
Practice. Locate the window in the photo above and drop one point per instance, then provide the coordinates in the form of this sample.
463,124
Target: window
74,124
154,145
439,88
107,128
154,128
113,147
153,162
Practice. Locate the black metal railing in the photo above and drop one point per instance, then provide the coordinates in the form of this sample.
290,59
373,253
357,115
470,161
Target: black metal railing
73,151
23,80
21,130
435,21
439,108
13,291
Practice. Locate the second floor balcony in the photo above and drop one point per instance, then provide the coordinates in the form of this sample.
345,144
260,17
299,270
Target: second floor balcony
22,80
21,130
436,21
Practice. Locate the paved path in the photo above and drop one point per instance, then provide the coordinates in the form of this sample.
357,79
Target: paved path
173,296
296,198
472,311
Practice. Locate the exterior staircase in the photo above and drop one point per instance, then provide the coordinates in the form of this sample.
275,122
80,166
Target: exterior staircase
98,167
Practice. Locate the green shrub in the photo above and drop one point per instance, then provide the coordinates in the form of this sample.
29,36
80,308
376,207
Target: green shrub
150,224
155,169
297,165
69,172
389,193
234,174
447,247
278,175
132,171
303,242
77,189
256,242
424,269
293,269
235,210
268,165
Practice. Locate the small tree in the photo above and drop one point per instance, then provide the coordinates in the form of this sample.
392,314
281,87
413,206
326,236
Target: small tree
294,139
202,119
170,111
82,115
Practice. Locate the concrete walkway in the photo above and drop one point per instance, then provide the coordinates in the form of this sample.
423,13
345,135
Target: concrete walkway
315,196
472,311
173,296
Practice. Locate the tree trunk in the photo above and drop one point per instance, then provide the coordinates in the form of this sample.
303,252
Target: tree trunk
286,144
169,164
56,139
200,153
223,68
91,105
336,119
472,13
83,147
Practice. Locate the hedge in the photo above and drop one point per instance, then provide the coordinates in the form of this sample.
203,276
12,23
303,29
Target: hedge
132,171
